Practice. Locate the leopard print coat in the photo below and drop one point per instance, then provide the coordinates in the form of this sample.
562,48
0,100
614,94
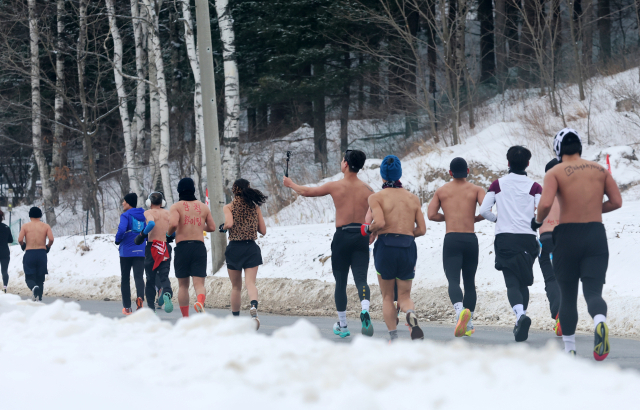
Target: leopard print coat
245,221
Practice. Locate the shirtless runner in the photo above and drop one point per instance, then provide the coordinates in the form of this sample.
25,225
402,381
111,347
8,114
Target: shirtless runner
581,252
348,248
397,221
458,200
33,240
188,218
546,254
157,263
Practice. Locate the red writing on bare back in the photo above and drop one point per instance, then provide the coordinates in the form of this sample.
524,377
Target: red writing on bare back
196,207
553,222
192,220
186,206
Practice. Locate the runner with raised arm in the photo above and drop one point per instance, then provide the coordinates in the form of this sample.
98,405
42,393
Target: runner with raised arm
188,218
33,240
348,248
397,221
581,251
157,263
458,199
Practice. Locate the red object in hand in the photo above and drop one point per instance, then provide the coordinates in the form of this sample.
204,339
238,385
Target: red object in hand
608,164
364,229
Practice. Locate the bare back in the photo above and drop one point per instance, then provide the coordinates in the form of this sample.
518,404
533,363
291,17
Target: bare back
35,233
580,190
189,219
458,200
553,219
398,211
161,219
350,197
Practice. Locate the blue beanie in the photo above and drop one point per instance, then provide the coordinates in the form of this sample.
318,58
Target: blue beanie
391,168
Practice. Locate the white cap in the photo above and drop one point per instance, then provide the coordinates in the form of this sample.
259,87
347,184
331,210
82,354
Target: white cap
557,142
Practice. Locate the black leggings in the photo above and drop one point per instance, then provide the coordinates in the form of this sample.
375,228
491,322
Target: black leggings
460,252
550,283
4,265
592,290
349,249
517,293
137,263
156,278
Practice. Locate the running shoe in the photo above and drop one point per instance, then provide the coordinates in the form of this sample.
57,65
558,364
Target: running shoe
461,326
601,342
367,327
395,304
168,305
126,311
557,327
4,290
521,329
340,331
160,298
139,302
254,315
412,322
35,293
198,307
572,353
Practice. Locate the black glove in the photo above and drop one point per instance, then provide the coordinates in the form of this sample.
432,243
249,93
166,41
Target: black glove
221,229
48,247
534,224
117,243
170,238
23,245
139,239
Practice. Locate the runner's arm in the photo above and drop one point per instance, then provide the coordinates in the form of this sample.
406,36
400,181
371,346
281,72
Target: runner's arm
612,191
377,214
10,237
479,199
262,227
548,195
174,219
368,217
21,236
321,190
488,202
211,225
49,236
122,229
421,227
433,208
228,217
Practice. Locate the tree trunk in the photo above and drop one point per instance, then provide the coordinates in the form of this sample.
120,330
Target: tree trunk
90,165
36,125
586,33
487,55
344,107
576,50
319,124
130,163
154,112
192,53
461,57
140,37
501,45
58,130
604,30
360,109
163,102
231,136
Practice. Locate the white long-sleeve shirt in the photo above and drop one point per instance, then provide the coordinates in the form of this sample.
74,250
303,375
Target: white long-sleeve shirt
517,197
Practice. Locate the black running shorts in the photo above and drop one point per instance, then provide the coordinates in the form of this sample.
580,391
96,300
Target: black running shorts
395,256
581,251
243,255
190,259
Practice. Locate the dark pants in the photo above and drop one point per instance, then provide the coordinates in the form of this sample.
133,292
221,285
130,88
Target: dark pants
156,278
460,253
4,265
550,282
34,264
517,293
137,263
349,249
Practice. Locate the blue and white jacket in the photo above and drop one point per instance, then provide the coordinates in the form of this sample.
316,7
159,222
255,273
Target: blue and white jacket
131,224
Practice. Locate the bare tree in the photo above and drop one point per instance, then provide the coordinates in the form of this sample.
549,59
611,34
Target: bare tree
139,18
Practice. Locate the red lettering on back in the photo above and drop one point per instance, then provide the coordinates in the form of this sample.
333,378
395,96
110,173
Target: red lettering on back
186,206
196,207
199,221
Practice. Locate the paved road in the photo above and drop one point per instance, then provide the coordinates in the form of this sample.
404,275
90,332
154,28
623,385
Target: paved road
625,352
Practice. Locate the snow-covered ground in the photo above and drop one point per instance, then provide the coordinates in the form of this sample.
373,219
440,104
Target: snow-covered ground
140,360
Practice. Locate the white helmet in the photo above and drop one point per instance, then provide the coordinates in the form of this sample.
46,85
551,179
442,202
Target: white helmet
557,141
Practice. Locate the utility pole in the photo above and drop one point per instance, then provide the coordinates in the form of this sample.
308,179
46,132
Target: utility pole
212,138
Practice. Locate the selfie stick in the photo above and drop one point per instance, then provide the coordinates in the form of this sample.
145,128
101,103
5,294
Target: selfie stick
286,173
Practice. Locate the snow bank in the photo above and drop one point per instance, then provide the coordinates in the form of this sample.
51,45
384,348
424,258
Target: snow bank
73,360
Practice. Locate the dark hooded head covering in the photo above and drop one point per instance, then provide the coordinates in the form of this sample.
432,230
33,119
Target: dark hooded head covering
35,212
186,189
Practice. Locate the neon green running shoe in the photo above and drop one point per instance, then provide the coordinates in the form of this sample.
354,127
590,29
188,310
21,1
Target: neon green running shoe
367,327
340,331
168,305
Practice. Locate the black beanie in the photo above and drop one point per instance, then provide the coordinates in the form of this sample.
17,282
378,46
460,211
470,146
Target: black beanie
131,199
186,184
35,212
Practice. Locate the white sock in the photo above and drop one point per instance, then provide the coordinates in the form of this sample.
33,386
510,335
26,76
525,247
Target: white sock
519,311
343,318
470,323
458,307
365,304
569,343
597,319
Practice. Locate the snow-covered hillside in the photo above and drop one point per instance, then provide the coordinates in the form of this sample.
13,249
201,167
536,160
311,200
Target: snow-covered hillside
140,360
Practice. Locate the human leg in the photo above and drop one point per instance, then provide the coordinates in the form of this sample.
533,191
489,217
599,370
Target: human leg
198,286
388,309
359,269
150,287
514,293
406,305
340,263
235,276
469,268
4,266
183,295
452,263
551,286
125,281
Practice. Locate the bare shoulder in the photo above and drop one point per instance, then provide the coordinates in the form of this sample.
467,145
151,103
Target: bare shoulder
175,207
